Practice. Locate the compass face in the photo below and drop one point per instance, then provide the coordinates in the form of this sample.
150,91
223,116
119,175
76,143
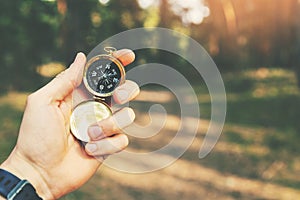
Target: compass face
103,76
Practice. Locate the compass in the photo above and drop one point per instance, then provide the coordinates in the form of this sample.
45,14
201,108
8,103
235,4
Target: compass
102,75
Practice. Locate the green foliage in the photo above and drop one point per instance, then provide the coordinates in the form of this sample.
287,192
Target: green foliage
27,38
34,32
10,120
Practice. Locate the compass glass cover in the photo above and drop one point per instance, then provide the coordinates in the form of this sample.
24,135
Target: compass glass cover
103,76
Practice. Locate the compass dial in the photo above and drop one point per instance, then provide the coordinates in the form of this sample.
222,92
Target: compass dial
103,75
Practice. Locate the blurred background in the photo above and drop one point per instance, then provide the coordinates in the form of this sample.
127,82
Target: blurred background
256,46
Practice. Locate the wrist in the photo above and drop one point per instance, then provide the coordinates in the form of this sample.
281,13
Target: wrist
25,170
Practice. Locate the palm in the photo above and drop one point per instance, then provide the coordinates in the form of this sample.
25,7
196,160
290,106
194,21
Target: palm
54,161
57,145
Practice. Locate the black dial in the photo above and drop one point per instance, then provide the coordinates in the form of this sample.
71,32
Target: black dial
103,76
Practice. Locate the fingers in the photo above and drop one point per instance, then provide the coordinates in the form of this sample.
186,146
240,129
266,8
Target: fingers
111,125
125,56
104,137
126,92
107,146
68,80
65,82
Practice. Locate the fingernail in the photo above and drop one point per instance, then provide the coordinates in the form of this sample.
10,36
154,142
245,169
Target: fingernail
122,95
90,147
95,132
77,57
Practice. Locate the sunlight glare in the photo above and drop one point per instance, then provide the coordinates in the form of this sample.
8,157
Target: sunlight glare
103,2
192,11
144,4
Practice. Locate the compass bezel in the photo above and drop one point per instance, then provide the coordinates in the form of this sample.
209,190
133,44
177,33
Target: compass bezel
89,64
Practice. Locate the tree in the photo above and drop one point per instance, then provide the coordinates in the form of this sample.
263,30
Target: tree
27,38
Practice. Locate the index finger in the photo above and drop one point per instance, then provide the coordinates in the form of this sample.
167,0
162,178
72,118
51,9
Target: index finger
125,56
64,84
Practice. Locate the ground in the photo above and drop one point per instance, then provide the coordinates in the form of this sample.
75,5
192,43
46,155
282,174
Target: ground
256,157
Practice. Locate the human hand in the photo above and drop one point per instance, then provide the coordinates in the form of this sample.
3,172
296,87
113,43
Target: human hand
47,154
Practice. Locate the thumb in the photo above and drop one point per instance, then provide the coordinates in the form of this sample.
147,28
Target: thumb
64,83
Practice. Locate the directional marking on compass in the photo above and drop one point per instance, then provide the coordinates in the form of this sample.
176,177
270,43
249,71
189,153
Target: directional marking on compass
99,67
115,80
109,86
94,74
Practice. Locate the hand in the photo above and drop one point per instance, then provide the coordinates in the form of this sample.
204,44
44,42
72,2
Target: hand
47,154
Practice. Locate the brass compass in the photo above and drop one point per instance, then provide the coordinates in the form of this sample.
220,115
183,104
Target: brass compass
102,75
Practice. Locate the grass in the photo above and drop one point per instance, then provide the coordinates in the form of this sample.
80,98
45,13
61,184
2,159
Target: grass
10,120
257,156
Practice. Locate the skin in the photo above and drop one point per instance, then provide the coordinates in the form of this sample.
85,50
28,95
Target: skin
47,154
